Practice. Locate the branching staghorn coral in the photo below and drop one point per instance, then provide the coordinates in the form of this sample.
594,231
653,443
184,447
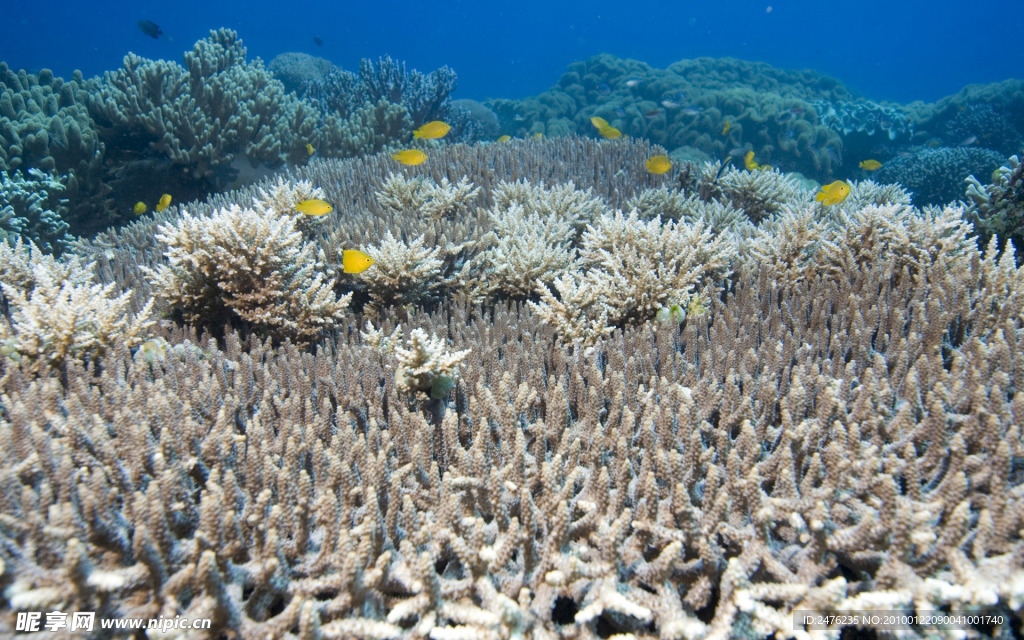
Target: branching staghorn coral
403,274
526,249
423,97
446,200
248,264
19,260
840,431
834,452
644,266
631,269
426,370
671,204
758,193
57,315
401,195
579,313
281,196
562,201
784,247
865,193
372,127
900,237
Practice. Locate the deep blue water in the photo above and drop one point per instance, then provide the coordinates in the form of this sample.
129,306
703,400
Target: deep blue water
896,49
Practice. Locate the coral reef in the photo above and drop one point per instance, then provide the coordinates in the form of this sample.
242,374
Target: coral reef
864,116
250,265
295,70
56,315
971,111
673,483
421,97
997,209
769,110
45,124
827,418
981,123
31,207
216,121
425,370
936,175
205,113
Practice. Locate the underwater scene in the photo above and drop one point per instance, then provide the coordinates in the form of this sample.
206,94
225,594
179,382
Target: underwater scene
493,321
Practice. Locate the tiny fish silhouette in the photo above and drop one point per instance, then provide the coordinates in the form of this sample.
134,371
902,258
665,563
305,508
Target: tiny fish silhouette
150,28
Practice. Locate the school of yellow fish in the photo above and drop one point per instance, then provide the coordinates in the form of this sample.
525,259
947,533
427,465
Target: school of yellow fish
354,261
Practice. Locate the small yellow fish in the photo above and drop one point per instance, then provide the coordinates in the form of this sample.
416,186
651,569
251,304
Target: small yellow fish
599,122
165,201
537,136
725,129
140,208
432,130
748,162
410,156
659,164
870,165
314,207
355,261
309,149
833,193
504,138
610,132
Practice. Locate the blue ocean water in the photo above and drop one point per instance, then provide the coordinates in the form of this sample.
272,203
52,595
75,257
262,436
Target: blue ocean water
887,50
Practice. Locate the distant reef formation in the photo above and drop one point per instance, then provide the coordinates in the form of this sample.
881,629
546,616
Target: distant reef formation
217,121
796,120
82,155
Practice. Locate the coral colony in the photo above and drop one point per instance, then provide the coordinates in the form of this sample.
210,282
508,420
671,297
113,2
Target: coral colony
726,374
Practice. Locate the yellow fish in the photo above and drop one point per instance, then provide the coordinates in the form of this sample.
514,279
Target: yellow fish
504,138
659,164
140,208
432,130
599,122
314,207
355,261
870,165
309,149
748,162
725,129
410,156
537,136
610,132
165,201
833,193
